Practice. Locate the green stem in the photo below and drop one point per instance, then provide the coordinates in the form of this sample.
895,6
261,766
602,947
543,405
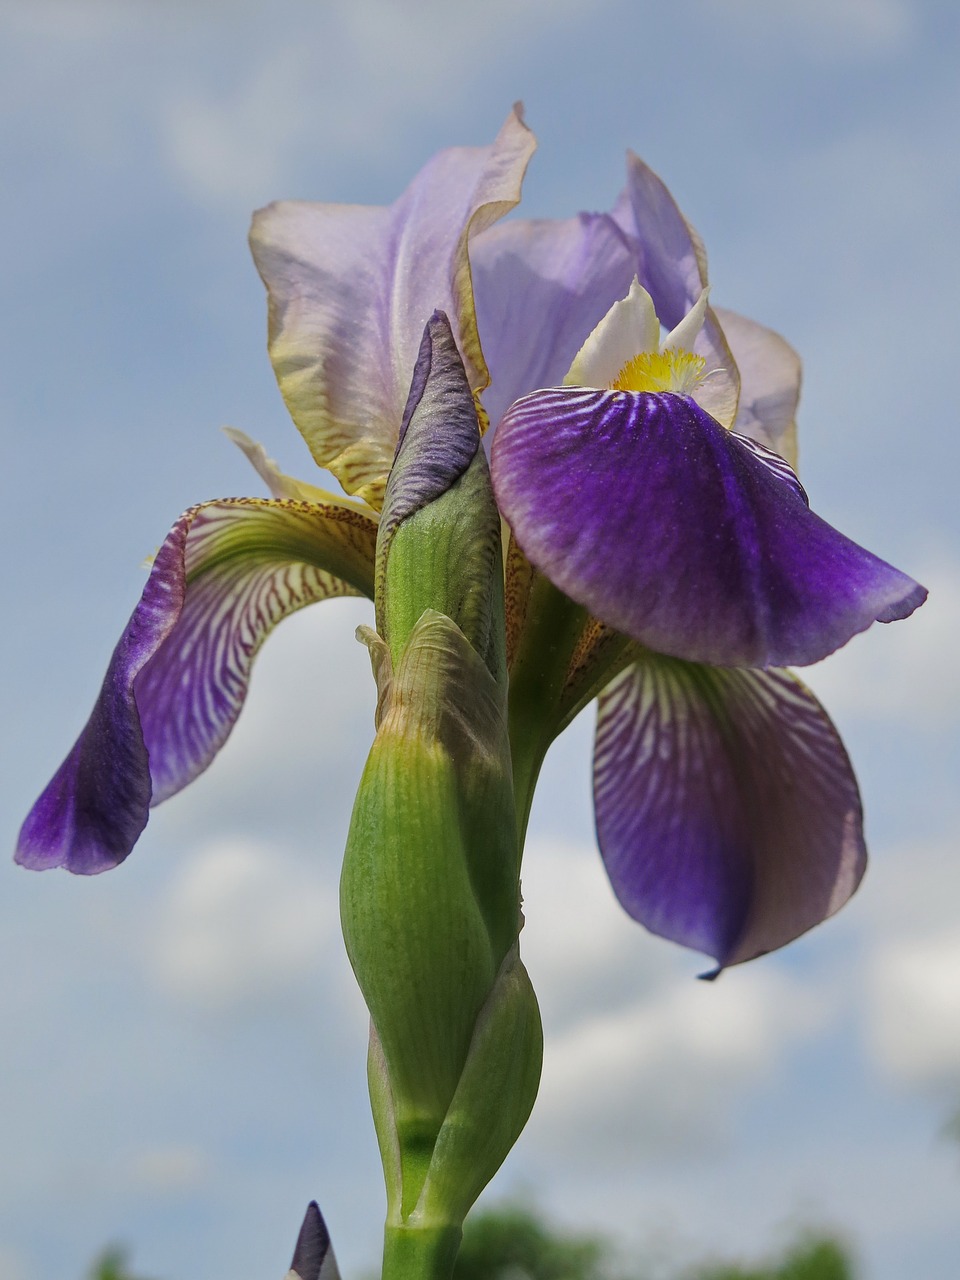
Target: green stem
413,1252
552,627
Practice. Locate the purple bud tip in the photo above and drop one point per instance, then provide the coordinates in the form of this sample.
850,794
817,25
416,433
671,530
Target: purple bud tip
313,1245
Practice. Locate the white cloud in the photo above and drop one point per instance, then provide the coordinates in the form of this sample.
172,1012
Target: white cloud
237,145
360,76
914,1014
243,924
910,977
638,1055
666,1072
907,671
169,1170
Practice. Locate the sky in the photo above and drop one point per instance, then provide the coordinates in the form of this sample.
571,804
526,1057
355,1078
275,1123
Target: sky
183,1042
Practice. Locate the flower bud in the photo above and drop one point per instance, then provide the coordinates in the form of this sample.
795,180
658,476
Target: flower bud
430,896
439,541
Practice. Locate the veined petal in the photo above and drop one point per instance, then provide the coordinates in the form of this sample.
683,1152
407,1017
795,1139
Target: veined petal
727,811
769,383
351,289
227,573
678,533
541,286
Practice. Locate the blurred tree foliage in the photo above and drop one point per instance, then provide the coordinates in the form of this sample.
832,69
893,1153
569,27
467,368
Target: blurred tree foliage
515,1243
112,1265
814,1259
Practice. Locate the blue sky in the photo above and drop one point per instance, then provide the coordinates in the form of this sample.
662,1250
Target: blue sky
183,1044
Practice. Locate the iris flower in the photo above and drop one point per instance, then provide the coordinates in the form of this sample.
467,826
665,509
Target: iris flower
661,551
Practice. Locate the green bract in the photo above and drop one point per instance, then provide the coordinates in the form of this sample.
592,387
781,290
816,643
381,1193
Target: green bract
430,895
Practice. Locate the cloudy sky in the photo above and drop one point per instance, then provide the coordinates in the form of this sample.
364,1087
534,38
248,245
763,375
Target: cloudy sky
183,1045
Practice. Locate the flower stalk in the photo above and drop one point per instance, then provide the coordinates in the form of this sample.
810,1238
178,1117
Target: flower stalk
430,892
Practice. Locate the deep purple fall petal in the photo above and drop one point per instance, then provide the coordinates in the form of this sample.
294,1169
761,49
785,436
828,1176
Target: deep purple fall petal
95,806
227,573
727,811
681,534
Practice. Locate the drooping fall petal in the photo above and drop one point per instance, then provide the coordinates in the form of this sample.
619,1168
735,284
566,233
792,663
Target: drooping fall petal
727,811
351,288
679,533
227,573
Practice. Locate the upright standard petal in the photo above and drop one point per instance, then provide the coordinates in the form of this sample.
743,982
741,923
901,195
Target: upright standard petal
227,573
727,811
352,287
540,287
681,534
671,263
770,374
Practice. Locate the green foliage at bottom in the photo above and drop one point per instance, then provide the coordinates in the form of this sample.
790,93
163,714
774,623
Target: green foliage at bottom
112,1265
513,1243
810,1260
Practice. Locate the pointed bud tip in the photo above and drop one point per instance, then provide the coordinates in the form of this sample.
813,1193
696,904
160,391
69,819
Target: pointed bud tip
313,1247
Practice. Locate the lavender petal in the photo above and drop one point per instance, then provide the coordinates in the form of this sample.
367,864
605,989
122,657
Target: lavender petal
351,288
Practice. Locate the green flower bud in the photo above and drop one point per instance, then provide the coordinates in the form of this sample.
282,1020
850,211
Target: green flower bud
429,891
439,545
430,895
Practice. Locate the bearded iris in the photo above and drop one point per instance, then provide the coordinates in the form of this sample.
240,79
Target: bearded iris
661,555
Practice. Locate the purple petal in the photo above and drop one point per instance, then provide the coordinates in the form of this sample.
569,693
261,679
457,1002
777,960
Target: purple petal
352,287
681,534
95,806
727,811
671,262
541,287
445,433
227,573
313,1256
